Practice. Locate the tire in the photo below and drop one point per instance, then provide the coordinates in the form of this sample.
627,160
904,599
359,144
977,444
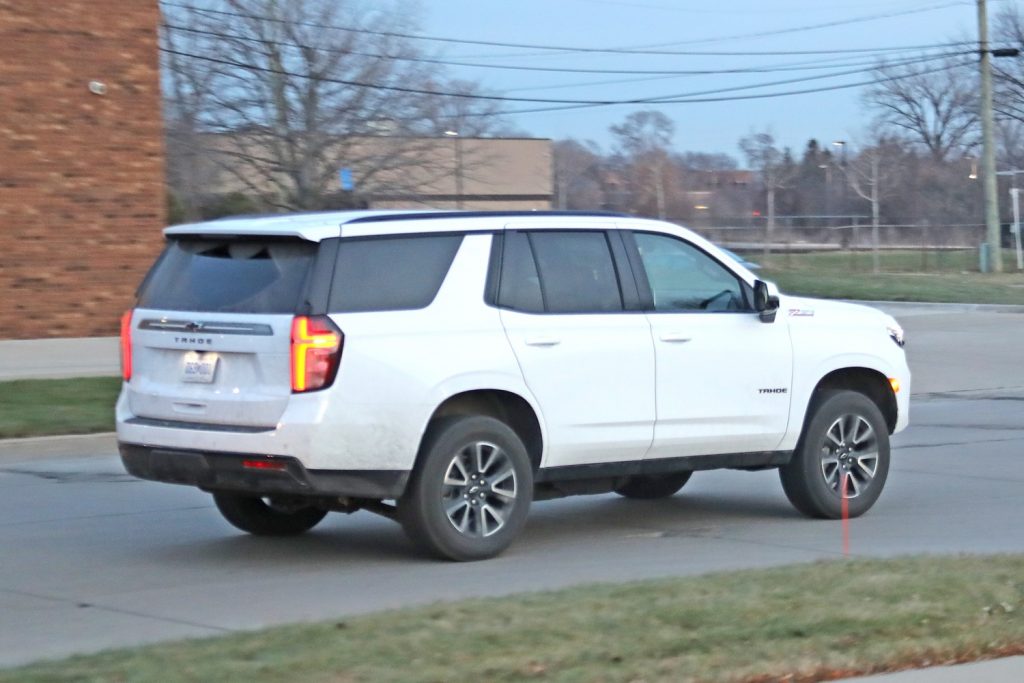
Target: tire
256,516
835,442
470,491
651,487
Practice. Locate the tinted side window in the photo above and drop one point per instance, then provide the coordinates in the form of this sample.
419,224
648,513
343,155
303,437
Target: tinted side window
229,276
577,274
390,273
519,287
684,278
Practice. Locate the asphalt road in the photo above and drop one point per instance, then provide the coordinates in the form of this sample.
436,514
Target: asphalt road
93,559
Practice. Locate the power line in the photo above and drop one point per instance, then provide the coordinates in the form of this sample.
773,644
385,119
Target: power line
813,27
799,66
816,7
736,98
789,81
550,48
667,99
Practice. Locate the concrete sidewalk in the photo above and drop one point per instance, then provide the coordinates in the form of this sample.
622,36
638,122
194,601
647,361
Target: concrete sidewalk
59,358
56,447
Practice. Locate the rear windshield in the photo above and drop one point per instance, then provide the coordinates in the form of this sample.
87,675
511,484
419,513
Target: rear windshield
229,276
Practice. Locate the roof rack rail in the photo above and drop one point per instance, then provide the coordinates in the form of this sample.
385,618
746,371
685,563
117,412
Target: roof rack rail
427,215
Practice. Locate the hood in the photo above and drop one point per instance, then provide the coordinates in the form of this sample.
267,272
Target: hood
798,307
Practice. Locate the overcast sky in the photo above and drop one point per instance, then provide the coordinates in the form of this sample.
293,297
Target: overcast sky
689,25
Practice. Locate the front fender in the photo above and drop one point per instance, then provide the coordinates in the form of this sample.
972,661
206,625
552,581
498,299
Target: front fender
806,381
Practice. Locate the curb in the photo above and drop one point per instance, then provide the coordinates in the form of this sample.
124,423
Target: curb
939,307
55,447
992,670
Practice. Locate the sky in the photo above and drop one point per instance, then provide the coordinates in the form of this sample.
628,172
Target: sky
688,25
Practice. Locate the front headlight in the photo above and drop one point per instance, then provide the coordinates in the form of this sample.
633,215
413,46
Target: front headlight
896,333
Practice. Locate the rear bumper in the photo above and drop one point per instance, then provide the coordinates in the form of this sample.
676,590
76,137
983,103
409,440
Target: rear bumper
226,471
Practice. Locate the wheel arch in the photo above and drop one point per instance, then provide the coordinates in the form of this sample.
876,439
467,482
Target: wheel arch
506,406
867,381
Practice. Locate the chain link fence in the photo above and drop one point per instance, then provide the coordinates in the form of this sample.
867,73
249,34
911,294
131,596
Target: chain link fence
937,247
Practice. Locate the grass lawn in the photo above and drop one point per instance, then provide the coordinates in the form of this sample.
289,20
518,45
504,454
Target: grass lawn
41,407
905,276
809,621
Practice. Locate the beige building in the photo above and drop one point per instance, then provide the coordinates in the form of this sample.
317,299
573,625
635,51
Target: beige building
448,172
499,174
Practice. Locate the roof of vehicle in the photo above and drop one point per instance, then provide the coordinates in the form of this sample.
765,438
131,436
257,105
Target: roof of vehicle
316,226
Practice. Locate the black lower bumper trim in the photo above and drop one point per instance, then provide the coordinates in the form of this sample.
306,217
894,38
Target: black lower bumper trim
226,471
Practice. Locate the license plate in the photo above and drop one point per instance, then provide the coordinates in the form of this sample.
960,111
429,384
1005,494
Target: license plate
199,367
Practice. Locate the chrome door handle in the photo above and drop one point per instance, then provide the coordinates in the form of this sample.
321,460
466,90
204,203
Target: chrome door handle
542,341
675,337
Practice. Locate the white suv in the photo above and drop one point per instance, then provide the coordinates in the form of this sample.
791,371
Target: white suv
447,369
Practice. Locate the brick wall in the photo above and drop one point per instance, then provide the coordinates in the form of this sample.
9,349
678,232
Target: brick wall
81,175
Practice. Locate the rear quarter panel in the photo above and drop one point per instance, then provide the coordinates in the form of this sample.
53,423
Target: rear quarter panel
397,367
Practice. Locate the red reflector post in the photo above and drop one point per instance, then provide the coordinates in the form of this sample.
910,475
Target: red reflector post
264,465
126,345
316,350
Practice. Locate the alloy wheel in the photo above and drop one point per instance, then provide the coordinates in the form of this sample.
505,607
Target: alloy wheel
479,489
849,455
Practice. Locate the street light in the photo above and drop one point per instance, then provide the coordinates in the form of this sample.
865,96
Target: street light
454,134
841,144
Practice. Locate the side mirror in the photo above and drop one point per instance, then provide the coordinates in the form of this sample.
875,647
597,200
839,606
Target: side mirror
766,301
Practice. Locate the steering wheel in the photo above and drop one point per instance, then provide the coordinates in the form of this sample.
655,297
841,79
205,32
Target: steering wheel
711,299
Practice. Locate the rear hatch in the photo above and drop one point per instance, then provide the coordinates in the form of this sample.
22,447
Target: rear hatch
211,332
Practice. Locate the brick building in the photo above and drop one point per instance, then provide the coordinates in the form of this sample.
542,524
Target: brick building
81,163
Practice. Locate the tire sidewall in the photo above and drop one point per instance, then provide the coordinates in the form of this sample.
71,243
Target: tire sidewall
250,514
652,487
823,500
422,511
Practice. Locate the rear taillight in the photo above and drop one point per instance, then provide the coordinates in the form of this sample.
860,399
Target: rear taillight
126,345
316,350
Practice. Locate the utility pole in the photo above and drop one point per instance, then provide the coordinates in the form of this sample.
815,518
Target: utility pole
995,255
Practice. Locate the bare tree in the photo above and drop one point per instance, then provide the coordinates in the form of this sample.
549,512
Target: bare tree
577,169
186,92
869,173
1008,74
706,161
1010,143
284,100
935,107
771,165
642,144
